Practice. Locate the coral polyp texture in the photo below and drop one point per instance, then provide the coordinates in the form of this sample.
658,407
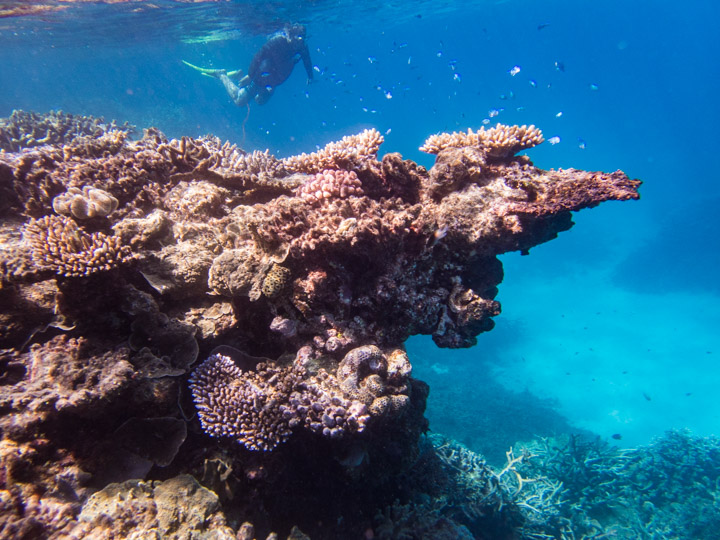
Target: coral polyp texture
500,141
296,281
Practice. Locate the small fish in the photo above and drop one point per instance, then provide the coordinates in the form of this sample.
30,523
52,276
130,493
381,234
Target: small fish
647,398
582,146
558,115
514,71
543,25
616,436
593,86
388,95
457,78
493,113
554,140
560,66
388,131
533,83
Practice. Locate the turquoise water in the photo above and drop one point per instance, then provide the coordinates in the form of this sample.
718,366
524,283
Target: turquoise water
612,328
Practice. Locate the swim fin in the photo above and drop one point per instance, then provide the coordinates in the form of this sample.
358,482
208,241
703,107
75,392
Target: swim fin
215,73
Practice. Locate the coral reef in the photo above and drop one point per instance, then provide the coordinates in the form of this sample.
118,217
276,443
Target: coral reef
56,243
27,129
668,489
298,280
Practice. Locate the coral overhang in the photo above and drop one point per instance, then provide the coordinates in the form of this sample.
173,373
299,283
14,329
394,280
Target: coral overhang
326,262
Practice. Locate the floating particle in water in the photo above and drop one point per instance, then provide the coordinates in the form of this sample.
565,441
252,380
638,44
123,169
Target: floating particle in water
554,140
533,83
457,78
559,66
372,59
593,86
558,115
581,144
388,95
514,71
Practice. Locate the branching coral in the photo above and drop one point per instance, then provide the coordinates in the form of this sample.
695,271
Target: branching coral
351,152
59,244
500,142
260,407
27,129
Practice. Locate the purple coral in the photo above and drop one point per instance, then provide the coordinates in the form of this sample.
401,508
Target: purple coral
260,408
249,406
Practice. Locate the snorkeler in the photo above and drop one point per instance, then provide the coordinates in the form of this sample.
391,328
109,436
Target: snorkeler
270,66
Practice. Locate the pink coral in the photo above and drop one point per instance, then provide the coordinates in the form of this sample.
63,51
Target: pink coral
330,184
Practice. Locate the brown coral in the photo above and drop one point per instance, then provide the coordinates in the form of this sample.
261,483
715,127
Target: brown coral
501,141
28,129
85,203
351,152
59,244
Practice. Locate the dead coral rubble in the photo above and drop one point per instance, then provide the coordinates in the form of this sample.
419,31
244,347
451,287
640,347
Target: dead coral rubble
323,264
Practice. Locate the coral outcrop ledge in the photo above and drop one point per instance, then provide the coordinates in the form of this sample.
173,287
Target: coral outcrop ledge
298,279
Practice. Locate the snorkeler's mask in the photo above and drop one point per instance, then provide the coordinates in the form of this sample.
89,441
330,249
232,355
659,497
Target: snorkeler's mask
295,31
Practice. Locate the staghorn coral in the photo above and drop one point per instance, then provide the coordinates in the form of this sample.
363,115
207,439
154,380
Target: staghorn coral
85,203
58,244
351,152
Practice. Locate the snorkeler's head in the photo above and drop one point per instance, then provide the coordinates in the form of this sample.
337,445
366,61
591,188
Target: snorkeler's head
295,31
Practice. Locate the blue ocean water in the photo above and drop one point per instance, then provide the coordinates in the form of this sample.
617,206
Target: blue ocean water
612,327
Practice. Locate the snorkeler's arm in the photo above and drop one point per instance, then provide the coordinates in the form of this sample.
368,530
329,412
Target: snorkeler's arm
305,55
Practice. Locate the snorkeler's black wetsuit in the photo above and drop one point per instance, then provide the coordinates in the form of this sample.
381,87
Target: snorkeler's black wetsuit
271,66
